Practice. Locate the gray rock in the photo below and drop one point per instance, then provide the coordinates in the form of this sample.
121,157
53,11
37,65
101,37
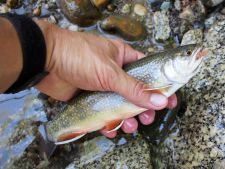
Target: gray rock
199,138
193,11
126,8
140,10
133,153
213,3
192,37
161,26
166,5
177,5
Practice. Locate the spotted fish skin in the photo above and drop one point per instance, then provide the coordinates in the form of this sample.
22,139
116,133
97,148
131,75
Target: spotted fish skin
91,111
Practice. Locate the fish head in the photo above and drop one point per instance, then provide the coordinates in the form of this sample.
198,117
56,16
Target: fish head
184,63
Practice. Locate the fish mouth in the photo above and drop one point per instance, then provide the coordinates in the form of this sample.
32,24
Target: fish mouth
183,70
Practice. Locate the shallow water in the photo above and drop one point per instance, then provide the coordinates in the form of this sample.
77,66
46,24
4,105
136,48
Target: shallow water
17,112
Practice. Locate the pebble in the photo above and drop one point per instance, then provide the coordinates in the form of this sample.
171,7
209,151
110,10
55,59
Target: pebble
193,36
4,9
37,11
126,8
213,3
73,28
214,153
166,5
52,19
195,11
161,26
12,3
177,5
140,10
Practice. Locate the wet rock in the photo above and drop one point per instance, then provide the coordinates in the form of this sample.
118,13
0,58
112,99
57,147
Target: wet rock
166,5
198,138
126,8
52,19
100,3
213,3
192,37
161,26
177,5
12,3
126,27
140,10
4,9
192,11
103,153
37,11
111,7
73,28
83,13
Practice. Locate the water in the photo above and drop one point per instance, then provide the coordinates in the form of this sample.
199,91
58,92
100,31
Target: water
17,112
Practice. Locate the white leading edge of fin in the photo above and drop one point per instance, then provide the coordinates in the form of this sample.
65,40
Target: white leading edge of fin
71,140
116,127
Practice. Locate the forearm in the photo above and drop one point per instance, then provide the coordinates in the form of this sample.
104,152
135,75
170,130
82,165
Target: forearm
10,55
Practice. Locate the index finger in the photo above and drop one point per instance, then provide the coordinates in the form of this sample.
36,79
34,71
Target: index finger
126,53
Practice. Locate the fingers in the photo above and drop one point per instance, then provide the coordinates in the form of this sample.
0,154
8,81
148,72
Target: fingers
134,91
147,117
109,135
126,53
130,125
172,101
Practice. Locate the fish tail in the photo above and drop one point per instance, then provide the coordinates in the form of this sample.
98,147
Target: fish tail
46,147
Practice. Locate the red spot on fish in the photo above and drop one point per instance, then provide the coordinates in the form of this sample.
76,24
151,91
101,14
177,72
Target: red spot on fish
69,136
112,125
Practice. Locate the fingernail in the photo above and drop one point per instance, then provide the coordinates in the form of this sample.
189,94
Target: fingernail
158,99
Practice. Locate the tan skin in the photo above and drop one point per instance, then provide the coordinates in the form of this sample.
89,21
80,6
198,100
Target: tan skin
82,61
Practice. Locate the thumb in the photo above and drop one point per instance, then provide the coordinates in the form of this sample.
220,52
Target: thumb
134,91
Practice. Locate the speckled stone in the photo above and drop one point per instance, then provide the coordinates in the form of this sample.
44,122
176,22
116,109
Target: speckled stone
193,36
132,153
199,139
161,26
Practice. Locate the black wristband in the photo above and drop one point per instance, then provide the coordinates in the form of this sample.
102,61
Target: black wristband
33,49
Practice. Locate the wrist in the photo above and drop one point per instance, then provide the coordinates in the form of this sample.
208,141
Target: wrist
47,31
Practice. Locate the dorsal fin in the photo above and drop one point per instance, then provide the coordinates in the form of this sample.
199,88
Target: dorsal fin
69,137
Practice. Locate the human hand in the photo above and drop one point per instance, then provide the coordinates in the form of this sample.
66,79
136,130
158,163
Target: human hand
84,61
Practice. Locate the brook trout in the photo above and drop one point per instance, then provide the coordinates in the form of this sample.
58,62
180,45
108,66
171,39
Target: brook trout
90,111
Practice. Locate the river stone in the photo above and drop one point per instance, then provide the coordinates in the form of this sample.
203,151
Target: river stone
140,10
126,8
127,153
161,26
199,138
192,37
213,3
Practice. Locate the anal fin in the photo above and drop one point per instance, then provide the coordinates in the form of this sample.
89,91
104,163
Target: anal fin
69,137
113,125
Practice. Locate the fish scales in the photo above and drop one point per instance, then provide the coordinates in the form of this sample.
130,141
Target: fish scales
90,111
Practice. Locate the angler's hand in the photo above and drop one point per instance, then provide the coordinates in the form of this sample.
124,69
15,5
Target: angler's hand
85,61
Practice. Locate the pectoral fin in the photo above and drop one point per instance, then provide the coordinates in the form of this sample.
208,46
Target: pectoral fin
113,125
161,89
69,137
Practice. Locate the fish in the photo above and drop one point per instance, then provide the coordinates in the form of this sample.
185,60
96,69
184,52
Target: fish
164,72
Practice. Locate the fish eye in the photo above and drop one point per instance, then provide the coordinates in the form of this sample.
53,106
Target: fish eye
189,52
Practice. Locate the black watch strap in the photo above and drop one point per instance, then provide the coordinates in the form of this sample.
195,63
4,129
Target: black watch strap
33,49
